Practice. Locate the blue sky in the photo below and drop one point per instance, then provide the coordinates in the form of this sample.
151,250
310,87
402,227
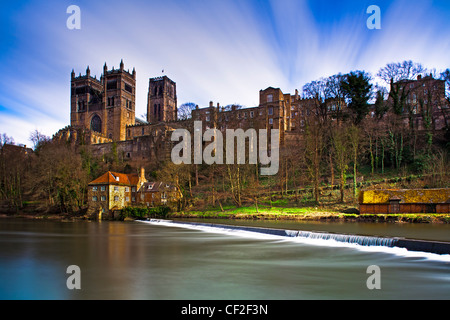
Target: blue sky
216,50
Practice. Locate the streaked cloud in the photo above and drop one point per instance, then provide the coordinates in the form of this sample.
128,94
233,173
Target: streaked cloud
219,50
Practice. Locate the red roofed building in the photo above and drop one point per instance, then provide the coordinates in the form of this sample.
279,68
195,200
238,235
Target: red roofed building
114,191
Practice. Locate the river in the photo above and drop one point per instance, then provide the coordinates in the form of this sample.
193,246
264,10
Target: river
139,260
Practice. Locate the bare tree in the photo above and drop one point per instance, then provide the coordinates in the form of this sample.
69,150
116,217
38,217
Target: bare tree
185,110
38,138
406,70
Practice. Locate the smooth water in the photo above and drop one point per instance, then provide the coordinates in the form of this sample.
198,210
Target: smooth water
137,260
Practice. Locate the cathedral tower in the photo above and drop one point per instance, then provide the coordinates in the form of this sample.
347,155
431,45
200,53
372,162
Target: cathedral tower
105,106
162,100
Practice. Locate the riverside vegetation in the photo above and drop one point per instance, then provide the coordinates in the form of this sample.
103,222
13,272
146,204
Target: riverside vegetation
319,176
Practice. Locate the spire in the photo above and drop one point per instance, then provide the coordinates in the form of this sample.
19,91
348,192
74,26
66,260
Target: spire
121,65
73,73
134,73
88,71
105,68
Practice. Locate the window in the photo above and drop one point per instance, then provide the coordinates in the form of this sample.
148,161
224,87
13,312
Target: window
94,188
269,98
127,189
133,189
128,88
270,111
252,114
116,188
270,121
208,118
94,198
102,188
103,198
111,84
133,199
116,198
96,124
127,199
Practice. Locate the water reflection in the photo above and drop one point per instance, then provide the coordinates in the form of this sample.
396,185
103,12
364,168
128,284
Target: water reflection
140,261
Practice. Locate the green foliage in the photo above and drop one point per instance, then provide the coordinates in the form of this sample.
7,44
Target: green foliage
145,212
357,88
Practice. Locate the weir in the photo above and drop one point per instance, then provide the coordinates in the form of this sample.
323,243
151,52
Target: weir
436,247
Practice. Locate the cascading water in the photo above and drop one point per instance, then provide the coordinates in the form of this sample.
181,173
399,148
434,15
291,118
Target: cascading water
409,244
361,240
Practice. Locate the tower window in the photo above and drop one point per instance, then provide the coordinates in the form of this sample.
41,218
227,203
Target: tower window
111,84
128,88
96,124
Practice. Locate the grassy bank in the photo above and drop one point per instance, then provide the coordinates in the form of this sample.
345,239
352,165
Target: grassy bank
307,214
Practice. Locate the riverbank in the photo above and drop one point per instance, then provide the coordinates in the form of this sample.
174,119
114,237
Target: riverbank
274,213
285,214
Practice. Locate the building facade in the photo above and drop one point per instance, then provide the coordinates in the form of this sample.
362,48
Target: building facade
103,112
114,191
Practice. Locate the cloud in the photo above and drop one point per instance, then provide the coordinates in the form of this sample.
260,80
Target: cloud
221,51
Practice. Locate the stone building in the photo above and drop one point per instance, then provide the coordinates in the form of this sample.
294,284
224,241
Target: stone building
103,113
404,201
114,191
106,105
425,100
162,100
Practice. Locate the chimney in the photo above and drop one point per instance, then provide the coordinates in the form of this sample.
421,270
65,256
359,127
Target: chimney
142,176
211,104
296,94
419,77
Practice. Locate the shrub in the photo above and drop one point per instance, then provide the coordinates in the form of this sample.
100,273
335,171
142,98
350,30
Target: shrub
144,212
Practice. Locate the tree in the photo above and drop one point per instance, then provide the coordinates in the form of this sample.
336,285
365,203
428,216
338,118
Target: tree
5,139
14,164
381,106
335,92
395,74
185,110
38,138
341,157
357,89
57,176
314,144
406,70
354,139
317,90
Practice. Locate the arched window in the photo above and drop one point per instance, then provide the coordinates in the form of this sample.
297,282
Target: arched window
96,124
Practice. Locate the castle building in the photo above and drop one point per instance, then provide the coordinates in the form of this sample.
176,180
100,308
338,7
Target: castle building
103,110
424,99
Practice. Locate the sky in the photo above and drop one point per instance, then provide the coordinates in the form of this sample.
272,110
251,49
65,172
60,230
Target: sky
224,51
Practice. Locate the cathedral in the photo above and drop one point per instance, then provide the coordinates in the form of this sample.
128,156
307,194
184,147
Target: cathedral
102,113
